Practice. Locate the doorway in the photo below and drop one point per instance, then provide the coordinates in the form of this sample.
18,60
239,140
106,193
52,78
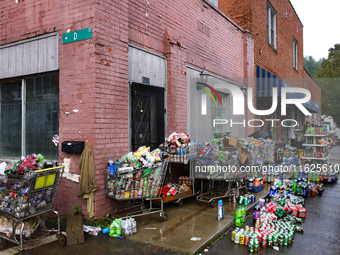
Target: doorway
147,116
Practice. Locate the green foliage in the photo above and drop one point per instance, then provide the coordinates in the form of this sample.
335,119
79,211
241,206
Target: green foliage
98,222
311,65
54,221
329,81
76,210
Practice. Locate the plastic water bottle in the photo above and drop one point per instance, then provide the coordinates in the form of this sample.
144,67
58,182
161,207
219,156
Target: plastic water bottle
110,166
220,210
110,162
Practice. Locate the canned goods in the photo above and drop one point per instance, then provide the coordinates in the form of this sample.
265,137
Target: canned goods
275,240
286,239
233,235
256,245
241,200
264,241
237,238
241,239
246,201
246,239
281,241
251,246
270,240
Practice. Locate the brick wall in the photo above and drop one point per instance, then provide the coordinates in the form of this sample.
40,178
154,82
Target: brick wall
76,74
252,15
94,73
111,84
238,10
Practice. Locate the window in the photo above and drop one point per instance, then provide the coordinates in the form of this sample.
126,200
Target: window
271,25
295,54
214,2
29,111
219,111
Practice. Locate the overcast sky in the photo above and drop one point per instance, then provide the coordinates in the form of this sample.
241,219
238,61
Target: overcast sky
320,20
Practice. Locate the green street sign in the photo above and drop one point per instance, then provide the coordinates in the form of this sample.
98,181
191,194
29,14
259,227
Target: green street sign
78,35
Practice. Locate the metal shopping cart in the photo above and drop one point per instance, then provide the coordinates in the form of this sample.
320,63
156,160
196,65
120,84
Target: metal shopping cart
25,201
220,169
137,186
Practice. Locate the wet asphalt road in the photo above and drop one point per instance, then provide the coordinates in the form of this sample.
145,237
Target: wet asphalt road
321,233
321,228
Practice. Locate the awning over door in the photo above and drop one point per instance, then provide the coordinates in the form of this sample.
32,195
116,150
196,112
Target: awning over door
266,81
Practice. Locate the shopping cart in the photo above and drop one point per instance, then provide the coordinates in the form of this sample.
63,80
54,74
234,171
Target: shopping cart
25,201
220,169
137,186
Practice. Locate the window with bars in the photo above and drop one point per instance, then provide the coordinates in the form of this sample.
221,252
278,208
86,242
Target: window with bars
271,25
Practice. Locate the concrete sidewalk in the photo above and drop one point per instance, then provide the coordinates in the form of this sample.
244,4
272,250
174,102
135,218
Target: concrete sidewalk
187,221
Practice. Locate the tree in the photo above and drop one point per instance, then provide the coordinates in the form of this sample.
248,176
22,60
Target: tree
329,81
311,65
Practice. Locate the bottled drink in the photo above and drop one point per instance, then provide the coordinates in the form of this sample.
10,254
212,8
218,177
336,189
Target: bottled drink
257,210
238,217
110,166
244,212
220,210
257,224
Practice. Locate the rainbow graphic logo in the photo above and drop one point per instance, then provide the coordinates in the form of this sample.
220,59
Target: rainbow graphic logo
202,86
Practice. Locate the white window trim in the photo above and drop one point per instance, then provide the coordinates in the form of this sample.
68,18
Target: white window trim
295,53
271,19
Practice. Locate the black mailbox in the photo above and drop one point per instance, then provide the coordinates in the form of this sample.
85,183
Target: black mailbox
73,146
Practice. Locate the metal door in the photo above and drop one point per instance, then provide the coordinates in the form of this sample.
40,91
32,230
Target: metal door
147,116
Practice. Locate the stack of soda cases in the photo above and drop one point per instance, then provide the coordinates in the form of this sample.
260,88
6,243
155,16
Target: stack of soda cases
268,231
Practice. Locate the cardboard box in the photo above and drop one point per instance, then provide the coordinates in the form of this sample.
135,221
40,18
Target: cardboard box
233,142
302,211
75,229
295,211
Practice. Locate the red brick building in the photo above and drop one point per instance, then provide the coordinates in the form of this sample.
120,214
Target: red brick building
140,56
278,51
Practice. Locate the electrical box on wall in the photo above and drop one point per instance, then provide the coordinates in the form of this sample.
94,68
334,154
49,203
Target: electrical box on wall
72,146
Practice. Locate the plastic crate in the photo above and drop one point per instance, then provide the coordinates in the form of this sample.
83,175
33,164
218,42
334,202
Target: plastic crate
256,189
